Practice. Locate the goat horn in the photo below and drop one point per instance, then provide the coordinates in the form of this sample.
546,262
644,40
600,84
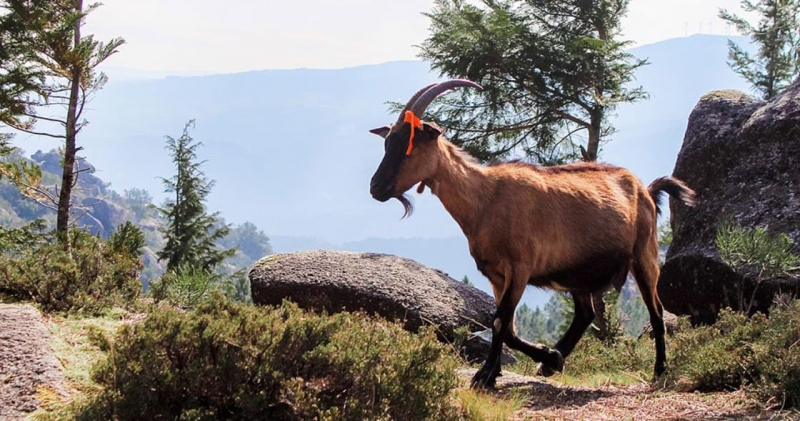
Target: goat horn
425,99
413,100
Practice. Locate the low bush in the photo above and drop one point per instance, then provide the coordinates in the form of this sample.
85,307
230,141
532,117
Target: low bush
91,276
760,354
225,360
184,287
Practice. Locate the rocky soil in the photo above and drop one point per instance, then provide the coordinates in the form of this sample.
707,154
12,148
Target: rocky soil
547,400
30,374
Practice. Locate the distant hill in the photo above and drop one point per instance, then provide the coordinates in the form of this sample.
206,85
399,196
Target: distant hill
290,149
100,210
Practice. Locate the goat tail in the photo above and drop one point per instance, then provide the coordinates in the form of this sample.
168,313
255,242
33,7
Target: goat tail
673,187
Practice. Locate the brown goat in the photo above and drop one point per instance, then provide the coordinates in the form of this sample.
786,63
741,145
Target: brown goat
577,228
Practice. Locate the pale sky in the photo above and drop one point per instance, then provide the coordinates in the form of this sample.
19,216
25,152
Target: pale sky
210,36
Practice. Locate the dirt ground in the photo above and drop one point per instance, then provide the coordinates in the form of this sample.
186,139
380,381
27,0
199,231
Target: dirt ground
29,371
550,401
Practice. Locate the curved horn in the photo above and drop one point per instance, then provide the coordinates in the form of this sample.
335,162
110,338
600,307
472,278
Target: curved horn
425,99
413,100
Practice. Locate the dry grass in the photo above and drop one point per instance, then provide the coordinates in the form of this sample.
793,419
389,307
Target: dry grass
75,343
482,406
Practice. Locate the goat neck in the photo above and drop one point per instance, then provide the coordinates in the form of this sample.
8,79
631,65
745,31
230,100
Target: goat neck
461,184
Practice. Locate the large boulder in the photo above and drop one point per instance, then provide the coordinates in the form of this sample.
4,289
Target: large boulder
393,287
742,157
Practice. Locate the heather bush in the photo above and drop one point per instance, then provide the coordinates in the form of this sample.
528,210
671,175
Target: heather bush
90,277
226,360
760,354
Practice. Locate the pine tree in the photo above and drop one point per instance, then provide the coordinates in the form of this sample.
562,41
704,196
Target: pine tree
777,35
552,71
190,232
49,64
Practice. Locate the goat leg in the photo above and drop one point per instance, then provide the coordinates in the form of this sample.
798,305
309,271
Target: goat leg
584,314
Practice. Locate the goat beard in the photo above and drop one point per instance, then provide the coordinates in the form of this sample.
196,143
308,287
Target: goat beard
408,205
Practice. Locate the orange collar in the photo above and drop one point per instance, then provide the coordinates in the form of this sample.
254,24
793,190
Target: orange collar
415,123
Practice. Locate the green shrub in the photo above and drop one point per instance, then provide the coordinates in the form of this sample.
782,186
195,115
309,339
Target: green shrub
754,253
17,241
90,277
184,287
226,360
760,354
625,355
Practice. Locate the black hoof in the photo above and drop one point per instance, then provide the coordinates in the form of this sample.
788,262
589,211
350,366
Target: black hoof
485,378
545,371
553,363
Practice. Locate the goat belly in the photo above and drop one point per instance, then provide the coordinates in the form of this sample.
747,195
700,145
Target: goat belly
593,274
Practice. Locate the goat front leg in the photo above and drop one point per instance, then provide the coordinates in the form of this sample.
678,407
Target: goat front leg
537,352
583,316
503,331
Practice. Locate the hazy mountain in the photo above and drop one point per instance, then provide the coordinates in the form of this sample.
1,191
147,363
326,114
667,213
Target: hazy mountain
290,149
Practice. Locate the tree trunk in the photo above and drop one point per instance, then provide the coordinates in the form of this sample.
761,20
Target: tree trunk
70,149
593,145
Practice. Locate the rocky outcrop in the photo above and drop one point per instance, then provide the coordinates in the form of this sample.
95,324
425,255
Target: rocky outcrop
742,157
393,287
103,216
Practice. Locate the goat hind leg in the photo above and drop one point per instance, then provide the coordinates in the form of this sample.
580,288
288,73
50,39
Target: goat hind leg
646,274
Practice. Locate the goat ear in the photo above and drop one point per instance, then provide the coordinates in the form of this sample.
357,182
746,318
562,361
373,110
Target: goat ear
432,130
381,131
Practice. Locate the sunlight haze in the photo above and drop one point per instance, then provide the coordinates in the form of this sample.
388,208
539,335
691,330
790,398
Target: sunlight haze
201,37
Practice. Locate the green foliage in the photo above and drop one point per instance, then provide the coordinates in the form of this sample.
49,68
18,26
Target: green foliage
625,355
759,354
632,309
17,241
139,201
613,328
626,315
545,325
127,239
777,35
250,243
665,234
48,72
467,282
23,174
533,325
232,361
190,232
92,276
237,287
185,286
754,253
552,73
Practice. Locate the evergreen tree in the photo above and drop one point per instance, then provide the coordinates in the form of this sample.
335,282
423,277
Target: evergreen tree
48,63
553,72
532,325
777,35
466,281
190,232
